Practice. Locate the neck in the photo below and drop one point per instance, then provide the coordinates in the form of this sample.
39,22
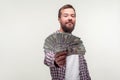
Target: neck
62,31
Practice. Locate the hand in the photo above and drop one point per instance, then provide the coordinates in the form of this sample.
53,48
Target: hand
60,58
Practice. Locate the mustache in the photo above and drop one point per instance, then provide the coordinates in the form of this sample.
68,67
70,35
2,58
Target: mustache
69,22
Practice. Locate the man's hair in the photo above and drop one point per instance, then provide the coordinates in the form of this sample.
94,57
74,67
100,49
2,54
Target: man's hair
64,7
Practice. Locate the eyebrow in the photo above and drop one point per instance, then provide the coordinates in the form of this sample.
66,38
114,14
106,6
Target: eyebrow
68,13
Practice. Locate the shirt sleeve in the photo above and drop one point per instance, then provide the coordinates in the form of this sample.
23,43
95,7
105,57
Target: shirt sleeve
49,59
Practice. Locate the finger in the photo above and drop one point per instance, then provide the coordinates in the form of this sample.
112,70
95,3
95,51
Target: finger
62,63
60,54
60,58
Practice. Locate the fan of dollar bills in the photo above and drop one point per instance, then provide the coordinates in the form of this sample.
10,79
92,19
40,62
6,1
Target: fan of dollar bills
58,42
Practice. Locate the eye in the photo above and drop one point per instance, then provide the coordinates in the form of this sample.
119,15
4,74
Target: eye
73,15
65,15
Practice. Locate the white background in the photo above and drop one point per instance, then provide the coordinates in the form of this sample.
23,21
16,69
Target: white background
24,24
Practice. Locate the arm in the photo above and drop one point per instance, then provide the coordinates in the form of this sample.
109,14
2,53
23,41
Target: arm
49,59
55,60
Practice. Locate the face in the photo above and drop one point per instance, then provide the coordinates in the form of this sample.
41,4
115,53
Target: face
67,20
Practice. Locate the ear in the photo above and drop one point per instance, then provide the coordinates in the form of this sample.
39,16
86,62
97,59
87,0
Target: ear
59,19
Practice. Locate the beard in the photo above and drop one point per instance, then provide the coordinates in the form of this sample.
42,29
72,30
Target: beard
68,27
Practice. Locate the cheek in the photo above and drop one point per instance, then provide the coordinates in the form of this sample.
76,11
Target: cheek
63,21
74,20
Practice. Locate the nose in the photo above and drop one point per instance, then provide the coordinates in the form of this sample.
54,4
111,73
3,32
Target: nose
70,18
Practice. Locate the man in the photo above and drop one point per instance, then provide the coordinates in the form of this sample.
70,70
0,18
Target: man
63,67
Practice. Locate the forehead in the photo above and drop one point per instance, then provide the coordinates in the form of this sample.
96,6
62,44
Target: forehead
68,11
